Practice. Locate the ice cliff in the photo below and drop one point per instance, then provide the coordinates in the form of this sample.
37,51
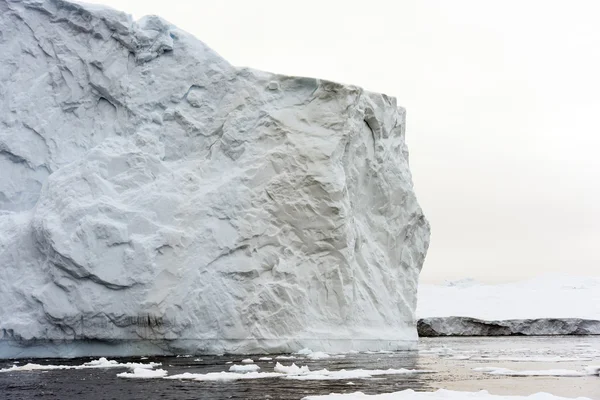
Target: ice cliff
156,199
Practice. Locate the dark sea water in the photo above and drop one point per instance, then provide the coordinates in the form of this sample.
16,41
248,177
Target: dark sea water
452,359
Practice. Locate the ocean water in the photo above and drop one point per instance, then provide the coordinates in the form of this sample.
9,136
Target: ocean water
452,361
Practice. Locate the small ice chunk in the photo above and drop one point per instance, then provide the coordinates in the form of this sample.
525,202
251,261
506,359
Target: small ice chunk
247,361
265,359
244,368
291,370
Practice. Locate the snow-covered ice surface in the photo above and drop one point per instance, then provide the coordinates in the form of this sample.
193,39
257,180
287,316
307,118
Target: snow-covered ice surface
453,362
550,296
155,199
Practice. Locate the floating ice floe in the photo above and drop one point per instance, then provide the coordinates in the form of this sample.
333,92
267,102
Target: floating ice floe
143,373
224,376
247,361
100,363
291,369
293,372
244,368
545,372
265,359
437,395
304,373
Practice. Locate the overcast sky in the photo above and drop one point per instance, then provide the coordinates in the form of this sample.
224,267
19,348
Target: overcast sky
503,103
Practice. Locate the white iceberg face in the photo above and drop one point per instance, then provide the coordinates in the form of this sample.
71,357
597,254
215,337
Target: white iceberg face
158,200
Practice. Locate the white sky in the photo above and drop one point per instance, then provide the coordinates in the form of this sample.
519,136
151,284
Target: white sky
503,103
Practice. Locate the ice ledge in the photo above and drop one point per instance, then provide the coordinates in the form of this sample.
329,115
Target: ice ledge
10,349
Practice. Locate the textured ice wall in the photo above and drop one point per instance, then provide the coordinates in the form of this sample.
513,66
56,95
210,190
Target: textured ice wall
155,199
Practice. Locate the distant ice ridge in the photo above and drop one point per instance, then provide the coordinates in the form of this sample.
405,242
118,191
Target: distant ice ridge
437,395
155,199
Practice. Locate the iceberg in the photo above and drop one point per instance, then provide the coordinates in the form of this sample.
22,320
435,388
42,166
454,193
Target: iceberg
155,199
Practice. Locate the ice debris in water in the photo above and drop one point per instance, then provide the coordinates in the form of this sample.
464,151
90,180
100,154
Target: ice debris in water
295,372
100,363
244,368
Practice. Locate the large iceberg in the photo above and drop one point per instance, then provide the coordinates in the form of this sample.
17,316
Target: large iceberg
156,199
